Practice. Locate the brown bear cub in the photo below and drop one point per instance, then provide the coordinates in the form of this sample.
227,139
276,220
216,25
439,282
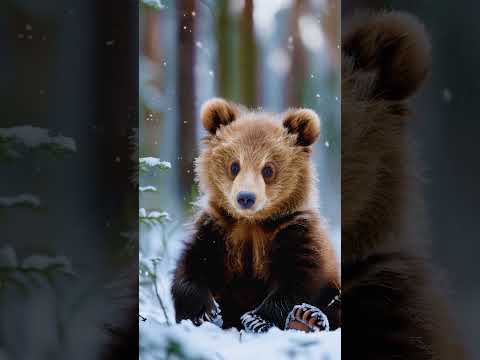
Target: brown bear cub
258,252
391,307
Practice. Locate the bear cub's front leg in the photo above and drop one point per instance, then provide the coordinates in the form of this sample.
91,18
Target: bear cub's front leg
195,304
198,272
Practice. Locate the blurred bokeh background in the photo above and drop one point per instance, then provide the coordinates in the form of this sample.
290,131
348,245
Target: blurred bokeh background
445,130
269,55
68,207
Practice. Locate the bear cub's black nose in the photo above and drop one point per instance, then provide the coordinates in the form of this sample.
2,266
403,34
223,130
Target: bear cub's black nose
246,199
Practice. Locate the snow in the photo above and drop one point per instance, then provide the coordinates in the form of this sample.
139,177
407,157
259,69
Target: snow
34,263
41,262
32,136
20,200
210,342
155,162
156,4
149,188
158,215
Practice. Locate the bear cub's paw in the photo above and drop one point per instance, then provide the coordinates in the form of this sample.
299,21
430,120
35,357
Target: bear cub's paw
214,316
253,323
307,318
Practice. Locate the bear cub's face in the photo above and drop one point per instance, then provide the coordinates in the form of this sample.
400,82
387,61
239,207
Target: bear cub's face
256,165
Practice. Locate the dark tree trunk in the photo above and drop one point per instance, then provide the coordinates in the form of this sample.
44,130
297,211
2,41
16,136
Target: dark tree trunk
186,94
297,76
151,48
223,26
247,57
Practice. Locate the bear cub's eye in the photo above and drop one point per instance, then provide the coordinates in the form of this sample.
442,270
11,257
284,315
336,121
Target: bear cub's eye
235,168
267,172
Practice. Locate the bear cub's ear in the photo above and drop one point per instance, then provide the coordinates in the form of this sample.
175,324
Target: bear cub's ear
304,123
217,112
394,46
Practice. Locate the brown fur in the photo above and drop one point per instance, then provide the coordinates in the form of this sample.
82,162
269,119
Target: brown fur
392,308
272,256
255,139
247,235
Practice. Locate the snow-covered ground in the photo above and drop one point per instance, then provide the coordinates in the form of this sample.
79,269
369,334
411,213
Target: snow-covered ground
208,341
186,341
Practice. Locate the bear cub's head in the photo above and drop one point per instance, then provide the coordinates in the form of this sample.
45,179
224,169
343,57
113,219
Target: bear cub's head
255,165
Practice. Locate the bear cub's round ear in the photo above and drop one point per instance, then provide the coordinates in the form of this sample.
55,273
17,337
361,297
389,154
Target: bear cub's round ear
304,123
392,45
217,112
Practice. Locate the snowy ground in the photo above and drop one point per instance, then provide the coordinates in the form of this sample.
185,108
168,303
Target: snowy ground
185,341
210,342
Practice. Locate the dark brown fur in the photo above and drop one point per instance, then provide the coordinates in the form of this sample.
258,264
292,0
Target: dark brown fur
270,259
391,307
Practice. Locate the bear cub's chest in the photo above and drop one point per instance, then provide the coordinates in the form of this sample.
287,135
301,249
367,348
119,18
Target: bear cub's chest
247,250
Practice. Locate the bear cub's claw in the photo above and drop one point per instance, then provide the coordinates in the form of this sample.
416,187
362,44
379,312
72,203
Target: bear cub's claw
307,318
254,323
214,316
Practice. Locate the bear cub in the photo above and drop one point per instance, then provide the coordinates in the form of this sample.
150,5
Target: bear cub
257,252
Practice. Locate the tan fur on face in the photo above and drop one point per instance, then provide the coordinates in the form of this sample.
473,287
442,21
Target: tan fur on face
253,140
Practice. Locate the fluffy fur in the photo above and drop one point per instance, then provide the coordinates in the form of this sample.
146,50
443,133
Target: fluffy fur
391,307
268,258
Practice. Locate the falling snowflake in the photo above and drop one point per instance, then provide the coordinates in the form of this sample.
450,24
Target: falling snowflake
447,95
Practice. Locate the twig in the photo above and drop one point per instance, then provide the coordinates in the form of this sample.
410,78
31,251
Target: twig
162,305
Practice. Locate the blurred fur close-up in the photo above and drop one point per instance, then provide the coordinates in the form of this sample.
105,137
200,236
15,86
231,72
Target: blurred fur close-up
240,193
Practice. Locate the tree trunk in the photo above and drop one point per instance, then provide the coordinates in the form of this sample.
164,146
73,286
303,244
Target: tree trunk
186,94
247,57
151,49
297,76
223,32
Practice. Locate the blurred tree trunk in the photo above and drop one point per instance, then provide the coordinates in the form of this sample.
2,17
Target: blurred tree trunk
151,43
247,57
297,76
151,49
331,27
186,94
224,50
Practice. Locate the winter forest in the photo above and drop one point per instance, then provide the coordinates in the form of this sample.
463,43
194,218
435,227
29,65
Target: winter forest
269,55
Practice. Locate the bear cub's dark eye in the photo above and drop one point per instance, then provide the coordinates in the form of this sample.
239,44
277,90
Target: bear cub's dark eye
235,168
267,172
